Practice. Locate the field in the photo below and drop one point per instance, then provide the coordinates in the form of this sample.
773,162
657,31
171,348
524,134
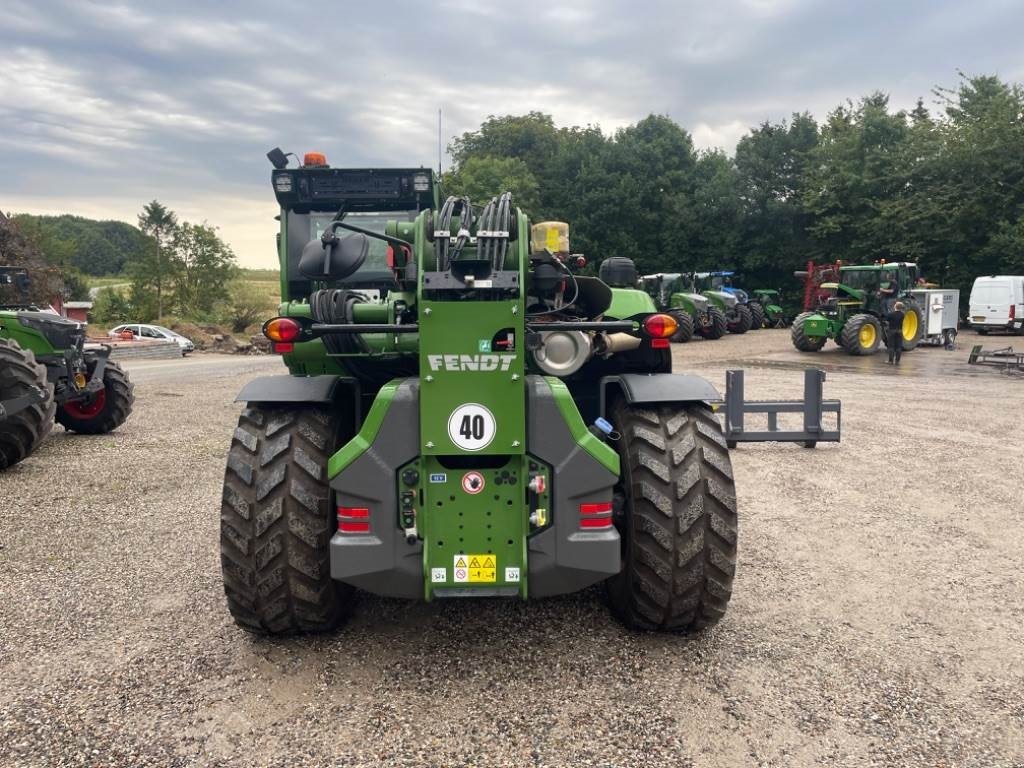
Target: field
877,618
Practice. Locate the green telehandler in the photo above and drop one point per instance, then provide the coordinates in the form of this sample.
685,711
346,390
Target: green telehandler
851,312
465,415
46,374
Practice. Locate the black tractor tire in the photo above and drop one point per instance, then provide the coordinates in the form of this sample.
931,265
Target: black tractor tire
102,413
717,328
743,319
757,315
851,339
276,523
21,433
685,332
676,512
801,340
908,308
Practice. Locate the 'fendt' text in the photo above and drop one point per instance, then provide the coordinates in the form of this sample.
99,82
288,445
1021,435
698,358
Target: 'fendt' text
470,362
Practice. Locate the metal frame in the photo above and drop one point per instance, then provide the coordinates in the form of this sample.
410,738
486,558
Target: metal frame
1004,358
812,407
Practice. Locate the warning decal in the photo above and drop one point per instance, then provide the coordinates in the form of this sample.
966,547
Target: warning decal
475,569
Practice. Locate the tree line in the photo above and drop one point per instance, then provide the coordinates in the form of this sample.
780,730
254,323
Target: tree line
942,186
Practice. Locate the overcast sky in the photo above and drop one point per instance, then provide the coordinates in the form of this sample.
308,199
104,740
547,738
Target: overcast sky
104,107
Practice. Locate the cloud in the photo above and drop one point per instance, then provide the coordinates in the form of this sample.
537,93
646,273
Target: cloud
105,106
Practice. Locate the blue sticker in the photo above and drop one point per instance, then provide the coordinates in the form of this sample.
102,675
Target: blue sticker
439,477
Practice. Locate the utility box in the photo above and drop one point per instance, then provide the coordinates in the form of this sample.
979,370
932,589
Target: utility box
941,310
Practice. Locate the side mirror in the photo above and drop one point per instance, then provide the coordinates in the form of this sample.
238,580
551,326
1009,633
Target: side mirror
333,258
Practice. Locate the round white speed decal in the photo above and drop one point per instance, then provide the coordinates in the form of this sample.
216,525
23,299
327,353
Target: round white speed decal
471,427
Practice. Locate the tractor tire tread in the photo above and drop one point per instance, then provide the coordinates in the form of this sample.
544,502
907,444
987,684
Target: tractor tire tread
276,523
679,541
685,321
800,339
22,433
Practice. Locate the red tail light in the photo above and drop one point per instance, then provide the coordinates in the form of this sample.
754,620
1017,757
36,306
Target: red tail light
353,520
1013,311
596,515
659,344
282,329
283,348
660,326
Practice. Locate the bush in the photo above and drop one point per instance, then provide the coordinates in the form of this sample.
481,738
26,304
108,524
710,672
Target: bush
248,303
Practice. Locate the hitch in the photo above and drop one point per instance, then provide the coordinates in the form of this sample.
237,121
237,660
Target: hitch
1004,358
812,407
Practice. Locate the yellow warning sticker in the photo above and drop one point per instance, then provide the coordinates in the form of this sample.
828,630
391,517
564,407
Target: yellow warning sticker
475,569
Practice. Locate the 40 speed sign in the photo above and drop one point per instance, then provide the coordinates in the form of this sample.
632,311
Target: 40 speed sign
471,427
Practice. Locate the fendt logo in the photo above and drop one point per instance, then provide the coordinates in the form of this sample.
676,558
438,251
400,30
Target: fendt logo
470,362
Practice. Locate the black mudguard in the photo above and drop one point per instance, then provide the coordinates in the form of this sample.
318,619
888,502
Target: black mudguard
641,389
290,389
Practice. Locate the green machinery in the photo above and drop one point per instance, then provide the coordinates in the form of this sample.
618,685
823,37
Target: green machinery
46,374
770,301
852,312
694,313
465,415
711,285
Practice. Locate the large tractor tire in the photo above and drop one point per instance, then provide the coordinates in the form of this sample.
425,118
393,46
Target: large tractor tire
801,340
276,523
104,411
717,327
757,315
741,322
861,335
913,324
676,514
22,432
685,332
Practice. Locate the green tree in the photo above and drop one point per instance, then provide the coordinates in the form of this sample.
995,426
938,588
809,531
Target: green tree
159,222
482,178
202,265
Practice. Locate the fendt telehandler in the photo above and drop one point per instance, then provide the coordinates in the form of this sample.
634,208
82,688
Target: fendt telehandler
46,373
851,310
465,415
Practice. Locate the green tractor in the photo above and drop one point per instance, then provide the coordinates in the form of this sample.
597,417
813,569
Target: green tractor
465,415
851,314
770,302
738,317
694,313
46,374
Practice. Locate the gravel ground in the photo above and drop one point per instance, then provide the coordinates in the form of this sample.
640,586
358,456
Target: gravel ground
877,616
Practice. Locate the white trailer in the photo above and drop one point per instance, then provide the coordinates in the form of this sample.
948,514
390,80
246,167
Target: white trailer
941,310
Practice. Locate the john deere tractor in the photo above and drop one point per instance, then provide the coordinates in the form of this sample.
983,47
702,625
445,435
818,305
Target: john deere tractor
852,312
770,302
694,313
46,374
465,415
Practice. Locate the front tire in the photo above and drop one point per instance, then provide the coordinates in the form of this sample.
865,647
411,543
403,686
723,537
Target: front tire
861,335
276,523
104,411
801,340
676,513
21,433
716,326
685,332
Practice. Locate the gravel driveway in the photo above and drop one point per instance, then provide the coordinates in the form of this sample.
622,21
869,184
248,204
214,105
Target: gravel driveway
878,615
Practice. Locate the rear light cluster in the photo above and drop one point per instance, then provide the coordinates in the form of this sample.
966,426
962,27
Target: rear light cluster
353,520
283,332
660,328
596,515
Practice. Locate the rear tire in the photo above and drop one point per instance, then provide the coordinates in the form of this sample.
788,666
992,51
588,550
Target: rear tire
741,323
676,513
22,433
276,523
106,411
857,340
685,332
801,340
757,315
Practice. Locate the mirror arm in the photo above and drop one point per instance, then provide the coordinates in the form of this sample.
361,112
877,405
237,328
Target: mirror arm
370,233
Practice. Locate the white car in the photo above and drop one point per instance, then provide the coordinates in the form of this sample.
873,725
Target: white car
157,332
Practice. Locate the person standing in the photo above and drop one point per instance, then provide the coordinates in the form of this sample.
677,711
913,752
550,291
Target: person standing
894,332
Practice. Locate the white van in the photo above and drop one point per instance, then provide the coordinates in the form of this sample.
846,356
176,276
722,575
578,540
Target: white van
997,304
